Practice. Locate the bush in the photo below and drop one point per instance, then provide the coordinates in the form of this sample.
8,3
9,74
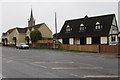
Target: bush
35,35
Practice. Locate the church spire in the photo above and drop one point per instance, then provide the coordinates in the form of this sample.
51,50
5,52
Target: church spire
31,21
31,16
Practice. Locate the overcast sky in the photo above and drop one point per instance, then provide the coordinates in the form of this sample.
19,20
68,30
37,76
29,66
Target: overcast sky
16,14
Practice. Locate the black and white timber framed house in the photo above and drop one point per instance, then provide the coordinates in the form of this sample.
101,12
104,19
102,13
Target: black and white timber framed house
90,30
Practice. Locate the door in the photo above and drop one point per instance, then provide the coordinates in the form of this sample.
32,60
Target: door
65,40
83,41
95,40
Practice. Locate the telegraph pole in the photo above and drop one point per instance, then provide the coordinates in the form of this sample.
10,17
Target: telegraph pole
55,30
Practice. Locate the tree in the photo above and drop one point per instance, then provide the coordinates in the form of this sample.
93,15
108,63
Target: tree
35,35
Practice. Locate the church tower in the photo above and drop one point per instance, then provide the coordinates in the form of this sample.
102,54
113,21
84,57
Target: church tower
31,21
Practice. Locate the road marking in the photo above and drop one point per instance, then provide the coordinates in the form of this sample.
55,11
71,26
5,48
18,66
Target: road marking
53,62
9,61
71,62
77,68
74,75
1,76
43,66
86,64
101,76
24,59
38,65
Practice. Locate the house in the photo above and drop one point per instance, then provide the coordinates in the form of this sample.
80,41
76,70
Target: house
22,35
89,30
119,36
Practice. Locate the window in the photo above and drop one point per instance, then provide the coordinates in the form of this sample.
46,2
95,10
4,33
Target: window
114,28
68,28
28,32
113,38
82,28
98,26
7,33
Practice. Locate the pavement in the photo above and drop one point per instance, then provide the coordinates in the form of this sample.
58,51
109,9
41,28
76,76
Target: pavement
42,63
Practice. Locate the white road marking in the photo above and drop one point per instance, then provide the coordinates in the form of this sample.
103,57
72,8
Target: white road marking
54,62
74,75
64,62
43,66
86,64
100,76
9,61
23,59
38,65
77,68
1,76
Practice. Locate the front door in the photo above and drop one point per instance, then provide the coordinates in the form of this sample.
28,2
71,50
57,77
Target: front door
65,40
95,40
83,41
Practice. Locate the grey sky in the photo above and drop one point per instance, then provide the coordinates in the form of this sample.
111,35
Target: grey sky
15,14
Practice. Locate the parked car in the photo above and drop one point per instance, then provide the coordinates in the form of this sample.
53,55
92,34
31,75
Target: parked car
114,43
22,46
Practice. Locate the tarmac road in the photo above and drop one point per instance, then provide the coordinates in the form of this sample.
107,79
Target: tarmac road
34,63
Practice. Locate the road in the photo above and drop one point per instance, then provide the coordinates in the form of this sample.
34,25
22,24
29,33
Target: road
35,63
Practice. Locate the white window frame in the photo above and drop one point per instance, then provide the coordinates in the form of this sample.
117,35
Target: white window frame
82,28
98,26
68,28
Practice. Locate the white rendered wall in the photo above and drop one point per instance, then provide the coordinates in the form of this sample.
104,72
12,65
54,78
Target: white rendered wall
89,40
71,41
60,40
77,41
116,38
103,40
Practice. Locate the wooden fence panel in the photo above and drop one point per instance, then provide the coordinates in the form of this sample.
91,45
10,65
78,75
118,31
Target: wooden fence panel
44,41
92,48
110,49
115,49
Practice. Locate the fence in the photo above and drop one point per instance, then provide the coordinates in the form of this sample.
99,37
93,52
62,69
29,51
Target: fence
43,44
88,48
44,41
110,49
115,49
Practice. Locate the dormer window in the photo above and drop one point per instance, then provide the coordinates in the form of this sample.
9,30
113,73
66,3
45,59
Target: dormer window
98,26
82,28
68,28
7,33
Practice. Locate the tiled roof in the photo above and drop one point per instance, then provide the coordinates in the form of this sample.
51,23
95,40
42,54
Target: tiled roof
35,26
9,31
89,23
23,30
4,34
